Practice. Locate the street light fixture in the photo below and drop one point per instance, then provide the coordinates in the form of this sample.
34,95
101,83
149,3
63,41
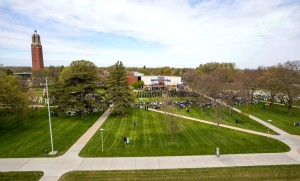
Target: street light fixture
102,137
269,127
50,126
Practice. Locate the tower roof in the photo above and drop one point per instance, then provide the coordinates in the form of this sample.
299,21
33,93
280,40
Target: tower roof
35,32
36,41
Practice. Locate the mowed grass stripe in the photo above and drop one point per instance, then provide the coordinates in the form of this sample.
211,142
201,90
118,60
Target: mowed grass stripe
33,138
150,138
188,138
21,175
283,172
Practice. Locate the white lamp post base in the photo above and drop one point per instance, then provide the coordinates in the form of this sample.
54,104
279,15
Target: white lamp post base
52,153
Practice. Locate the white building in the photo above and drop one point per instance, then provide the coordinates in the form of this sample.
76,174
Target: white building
161,80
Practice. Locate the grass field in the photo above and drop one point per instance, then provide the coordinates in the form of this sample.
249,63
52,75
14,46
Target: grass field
209,115
279,116
289,172
150,138
32,138
16,176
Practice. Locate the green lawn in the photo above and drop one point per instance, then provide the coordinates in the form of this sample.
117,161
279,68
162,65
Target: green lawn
289,172
15,176
279,116
209,115
154,99
32,139
150,138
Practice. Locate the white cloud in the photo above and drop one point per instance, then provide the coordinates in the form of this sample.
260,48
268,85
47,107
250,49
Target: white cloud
250,33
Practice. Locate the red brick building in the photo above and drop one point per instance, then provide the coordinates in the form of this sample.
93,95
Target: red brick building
37,52
132,79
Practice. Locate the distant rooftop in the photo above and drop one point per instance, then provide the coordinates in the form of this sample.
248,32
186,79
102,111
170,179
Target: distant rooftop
138,74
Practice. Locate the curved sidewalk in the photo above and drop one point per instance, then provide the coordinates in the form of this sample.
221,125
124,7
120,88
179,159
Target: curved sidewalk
53,168
213,123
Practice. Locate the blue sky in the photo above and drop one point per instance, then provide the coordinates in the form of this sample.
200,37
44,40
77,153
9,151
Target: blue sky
154,33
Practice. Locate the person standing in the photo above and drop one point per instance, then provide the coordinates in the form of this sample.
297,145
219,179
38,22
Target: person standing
217,152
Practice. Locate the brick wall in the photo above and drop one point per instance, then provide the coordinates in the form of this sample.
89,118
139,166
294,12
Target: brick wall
132,79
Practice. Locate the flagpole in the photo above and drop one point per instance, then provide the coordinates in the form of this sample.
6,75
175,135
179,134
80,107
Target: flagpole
52,151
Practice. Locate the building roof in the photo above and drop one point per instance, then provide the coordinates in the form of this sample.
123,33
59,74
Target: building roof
160,78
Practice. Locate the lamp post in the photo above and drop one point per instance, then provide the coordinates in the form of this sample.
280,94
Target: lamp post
50,126
269,127
102,137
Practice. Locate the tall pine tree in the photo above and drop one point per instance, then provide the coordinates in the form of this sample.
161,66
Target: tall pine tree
119,91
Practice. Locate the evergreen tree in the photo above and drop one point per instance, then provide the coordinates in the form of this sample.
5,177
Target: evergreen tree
119,91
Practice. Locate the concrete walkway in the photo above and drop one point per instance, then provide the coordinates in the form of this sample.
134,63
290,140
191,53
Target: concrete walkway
213,123
83,140
281,132
280,104
53,168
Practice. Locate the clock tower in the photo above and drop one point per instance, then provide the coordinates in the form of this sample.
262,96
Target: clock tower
36,52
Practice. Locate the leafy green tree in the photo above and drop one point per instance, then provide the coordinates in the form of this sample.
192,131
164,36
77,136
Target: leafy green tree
53,73
118,90
76,87
165,71
138,85
145,71
9,72
11,96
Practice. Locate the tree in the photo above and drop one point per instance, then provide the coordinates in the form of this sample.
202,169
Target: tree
76,87
32,95
269,82
53,73
227,68
145,71
38,76
218,112
11,96
118,90
229,96
138,85
288,76
165,71
169,118
216,80
248,81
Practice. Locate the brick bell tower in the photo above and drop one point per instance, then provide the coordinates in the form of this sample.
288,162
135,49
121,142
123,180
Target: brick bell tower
37,52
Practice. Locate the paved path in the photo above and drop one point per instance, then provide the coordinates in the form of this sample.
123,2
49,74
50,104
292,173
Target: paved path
82,141
53,168
280,104
281,132
213,123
